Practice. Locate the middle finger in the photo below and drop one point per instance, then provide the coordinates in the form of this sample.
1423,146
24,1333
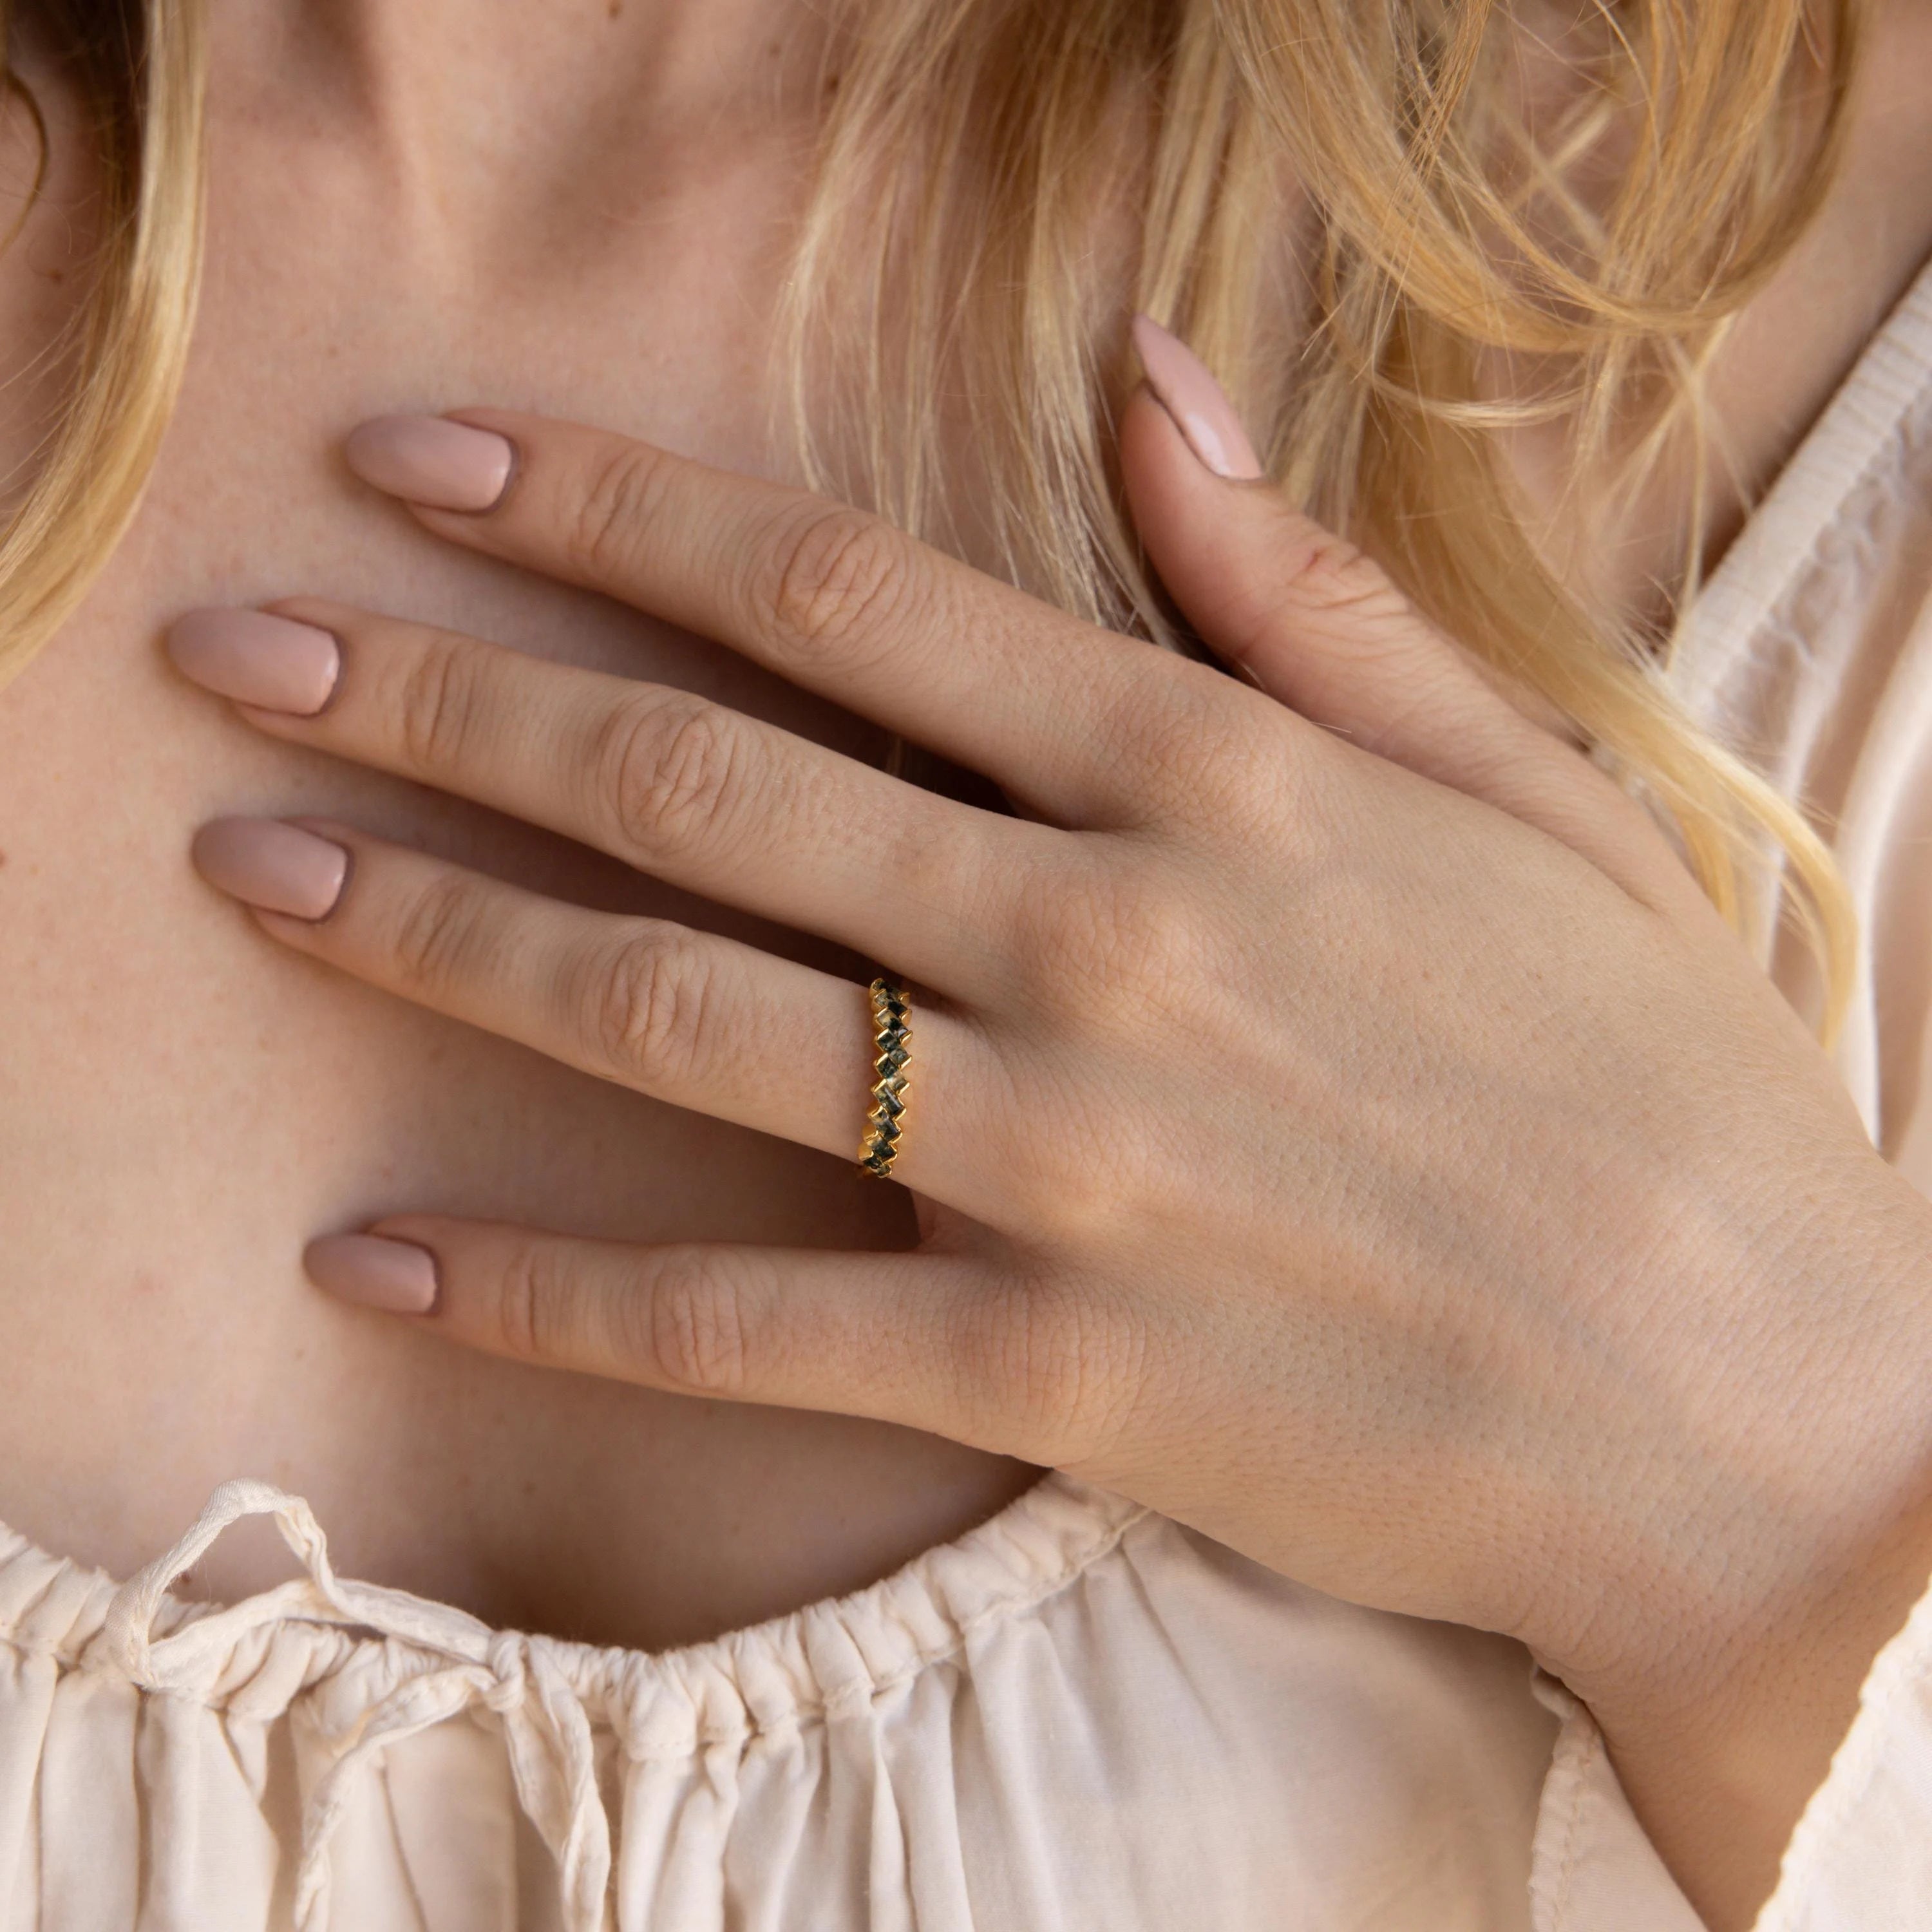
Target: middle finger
689,790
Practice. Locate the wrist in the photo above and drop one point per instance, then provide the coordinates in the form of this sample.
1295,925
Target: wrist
1720,1758
1754,1618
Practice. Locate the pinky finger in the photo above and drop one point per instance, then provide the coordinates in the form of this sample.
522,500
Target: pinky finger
870,1334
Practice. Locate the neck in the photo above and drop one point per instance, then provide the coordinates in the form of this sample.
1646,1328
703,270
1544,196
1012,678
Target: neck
472,109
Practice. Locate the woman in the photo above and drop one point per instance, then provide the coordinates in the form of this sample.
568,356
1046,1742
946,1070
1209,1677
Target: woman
1342,1124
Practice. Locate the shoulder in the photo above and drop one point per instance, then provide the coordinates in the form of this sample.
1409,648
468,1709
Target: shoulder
1805,332
1807,328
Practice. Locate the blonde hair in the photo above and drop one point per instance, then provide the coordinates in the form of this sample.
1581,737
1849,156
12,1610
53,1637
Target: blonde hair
1360,212
147,72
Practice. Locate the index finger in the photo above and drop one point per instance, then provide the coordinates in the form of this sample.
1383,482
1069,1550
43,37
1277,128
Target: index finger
829,597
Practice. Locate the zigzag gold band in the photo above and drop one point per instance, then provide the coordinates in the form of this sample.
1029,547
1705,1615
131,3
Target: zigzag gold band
886,1121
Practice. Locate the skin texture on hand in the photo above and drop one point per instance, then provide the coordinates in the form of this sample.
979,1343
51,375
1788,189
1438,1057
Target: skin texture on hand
1341,1123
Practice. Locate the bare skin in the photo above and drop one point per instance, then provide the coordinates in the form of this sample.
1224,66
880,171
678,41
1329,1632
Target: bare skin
179,1114
177,1120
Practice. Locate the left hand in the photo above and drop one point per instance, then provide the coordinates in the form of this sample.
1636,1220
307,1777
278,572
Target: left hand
1340,1121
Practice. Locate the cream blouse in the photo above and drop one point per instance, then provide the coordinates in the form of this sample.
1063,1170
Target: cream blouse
1078,1715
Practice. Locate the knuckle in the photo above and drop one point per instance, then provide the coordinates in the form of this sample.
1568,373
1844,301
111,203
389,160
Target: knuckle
537,1304
698,1323
668,763
439,704
1207,758
619,499
1328,573
1126,947
435,940
650,1007
834,581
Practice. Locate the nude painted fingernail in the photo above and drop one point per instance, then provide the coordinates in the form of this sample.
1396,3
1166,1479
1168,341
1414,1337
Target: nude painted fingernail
1197,403
373,1272
264,862
431,461
273,662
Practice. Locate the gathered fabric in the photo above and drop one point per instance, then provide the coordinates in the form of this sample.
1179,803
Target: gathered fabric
1079,1714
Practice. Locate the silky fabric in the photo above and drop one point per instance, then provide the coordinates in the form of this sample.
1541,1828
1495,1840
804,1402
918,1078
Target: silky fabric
1078,1714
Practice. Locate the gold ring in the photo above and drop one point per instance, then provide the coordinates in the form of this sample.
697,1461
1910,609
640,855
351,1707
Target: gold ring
886,1121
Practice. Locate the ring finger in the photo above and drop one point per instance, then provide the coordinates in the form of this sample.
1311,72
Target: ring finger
688,1017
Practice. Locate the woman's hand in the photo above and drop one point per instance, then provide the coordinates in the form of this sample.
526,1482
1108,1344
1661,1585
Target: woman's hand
1339,1120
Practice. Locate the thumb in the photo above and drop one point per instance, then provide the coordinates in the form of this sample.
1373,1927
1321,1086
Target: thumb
1320,627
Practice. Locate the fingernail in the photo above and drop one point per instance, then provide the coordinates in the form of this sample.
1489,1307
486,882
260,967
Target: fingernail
279,867
1197,403
431,460
373,1272
249,656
